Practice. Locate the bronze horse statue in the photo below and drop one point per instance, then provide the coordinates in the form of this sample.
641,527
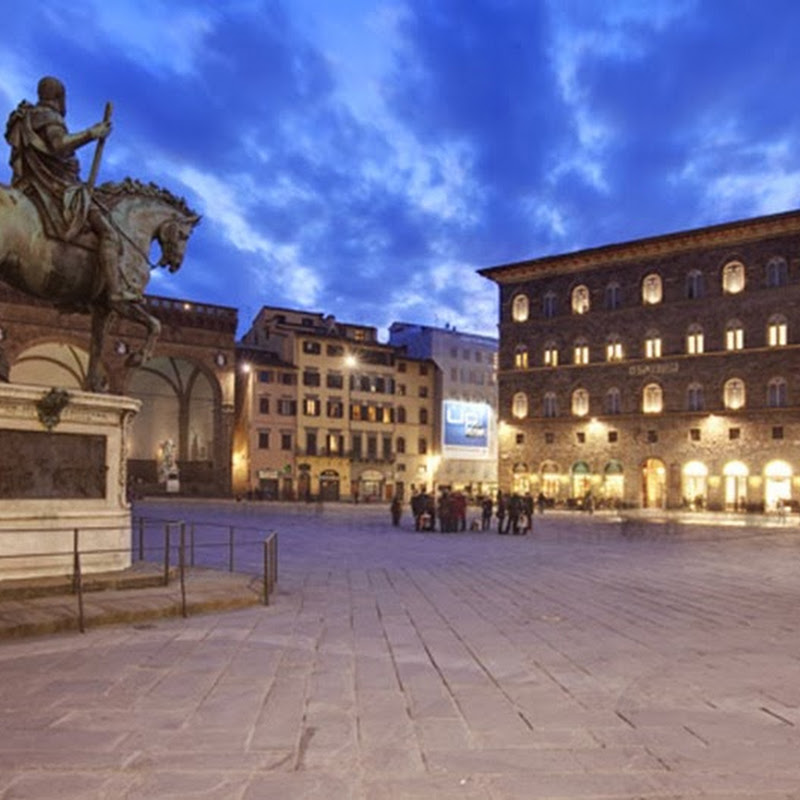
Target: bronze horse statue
67,274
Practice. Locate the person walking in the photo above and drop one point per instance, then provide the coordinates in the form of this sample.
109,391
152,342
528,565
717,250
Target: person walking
486,513
501,512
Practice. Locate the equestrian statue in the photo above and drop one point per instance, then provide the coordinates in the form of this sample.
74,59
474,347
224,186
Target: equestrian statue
82,247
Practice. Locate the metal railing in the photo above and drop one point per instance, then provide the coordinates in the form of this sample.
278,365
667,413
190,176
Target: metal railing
175,542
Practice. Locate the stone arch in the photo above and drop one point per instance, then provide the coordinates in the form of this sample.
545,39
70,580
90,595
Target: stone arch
181,401
45,362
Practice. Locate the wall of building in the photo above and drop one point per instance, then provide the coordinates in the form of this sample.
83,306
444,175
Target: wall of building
696,447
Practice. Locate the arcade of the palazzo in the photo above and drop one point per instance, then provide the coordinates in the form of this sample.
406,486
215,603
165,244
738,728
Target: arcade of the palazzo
181,438
657,373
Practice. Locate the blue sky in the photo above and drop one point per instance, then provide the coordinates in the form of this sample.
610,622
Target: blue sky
364,158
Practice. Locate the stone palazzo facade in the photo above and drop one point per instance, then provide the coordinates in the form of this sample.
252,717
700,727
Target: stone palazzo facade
657,373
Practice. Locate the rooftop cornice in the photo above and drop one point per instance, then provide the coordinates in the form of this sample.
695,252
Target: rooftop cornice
729,233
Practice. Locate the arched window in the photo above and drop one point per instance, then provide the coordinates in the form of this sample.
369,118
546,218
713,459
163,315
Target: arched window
581,352
613,401
734,335
550,354
694,397
401,414
777,331
613,347
733,277
520,308
613,296
400,444
580,299
580,402
652,399
550,405
549,305
695,284
521,356
733,394
694,340
652,344
519,405
777,393
652,291
777,272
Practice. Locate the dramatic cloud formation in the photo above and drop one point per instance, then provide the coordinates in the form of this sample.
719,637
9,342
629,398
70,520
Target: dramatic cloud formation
365,157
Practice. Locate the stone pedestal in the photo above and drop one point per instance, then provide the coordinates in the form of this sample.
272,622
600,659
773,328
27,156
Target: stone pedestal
63,469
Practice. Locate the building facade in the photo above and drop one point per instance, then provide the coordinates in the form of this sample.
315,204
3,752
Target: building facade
327,411
658,373
466,408
186,389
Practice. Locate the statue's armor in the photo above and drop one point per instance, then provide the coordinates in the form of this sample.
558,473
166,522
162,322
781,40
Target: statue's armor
49,178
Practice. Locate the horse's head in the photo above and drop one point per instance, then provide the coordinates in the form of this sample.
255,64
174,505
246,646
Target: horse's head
172,237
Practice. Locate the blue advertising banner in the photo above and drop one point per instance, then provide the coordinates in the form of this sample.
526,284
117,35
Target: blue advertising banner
466,428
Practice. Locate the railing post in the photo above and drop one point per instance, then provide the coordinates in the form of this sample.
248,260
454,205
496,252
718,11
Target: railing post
231,531
267,571
77,579
166,554
182,560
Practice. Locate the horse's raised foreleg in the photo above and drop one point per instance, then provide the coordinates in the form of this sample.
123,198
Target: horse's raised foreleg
100,318
135,312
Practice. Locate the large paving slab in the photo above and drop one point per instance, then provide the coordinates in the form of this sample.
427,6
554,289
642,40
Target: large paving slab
653,659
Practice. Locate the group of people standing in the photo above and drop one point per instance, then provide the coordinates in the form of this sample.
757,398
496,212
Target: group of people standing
514,512
450,511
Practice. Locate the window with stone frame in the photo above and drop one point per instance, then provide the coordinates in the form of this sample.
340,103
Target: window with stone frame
652,399
777,393
777,272
580,402
734,335
652,289
520,308
777,331
733,394
695,340
694,397
733,277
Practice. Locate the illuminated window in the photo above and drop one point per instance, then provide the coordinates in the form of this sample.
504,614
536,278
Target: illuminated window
613,401
733,277
652,345
776,331
549,305
613,348
777,393
580,402
694,397
519,405
521,357
733,394
581,352
580,300
613,296
652,399
550,355
695,285
651,289
694,340
550,405
734,335
520,308
777,272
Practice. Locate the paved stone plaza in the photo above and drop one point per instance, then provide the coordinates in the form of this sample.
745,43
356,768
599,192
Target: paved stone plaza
594,659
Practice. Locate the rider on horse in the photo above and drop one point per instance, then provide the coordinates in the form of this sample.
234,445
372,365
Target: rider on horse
45,168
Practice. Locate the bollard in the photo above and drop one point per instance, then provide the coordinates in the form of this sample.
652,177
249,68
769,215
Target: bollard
77,580
166,554
182,562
